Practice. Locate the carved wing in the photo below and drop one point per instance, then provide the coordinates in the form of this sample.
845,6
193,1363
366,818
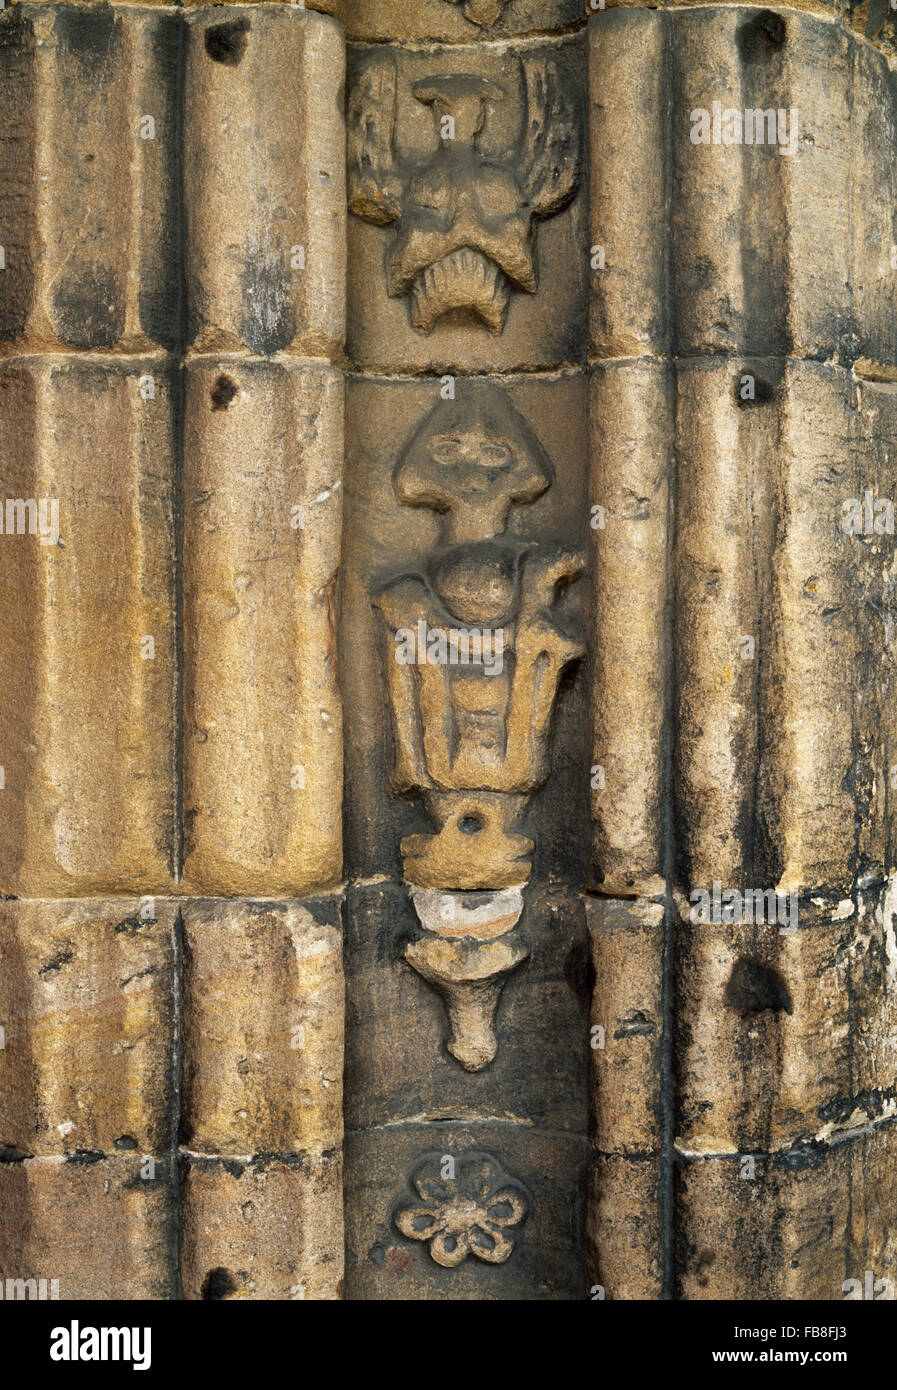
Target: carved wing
375,189
551,156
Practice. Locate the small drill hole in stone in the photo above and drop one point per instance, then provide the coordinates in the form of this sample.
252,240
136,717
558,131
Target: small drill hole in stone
226,43
470,825
761,37
217,1284
223,393
754,987
752,390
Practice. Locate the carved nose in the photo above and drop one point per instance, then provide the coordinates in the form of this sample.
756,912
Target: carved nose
462,97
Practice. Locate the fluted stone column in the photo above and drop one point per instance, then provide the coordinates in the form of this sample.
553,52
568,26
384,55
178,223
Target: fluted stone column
90,318
171,987
743,337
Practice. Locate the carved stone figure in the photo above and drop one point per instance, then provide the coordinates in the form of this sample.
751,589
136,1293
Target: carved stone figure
463,237
474,649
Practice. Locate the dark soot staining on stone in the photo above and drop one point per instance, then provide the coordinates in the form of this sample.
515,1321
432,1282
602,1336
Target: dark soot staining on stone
89,307
269,319
88,34
64,956
635,1025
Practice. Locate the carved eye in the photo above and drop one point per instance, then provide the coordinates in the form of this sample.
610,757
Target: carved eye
446,451
495,455
487,453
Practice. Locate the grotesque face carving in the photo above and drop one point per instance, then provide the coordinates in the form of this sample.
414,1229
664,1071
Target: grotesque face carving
470,459
464,222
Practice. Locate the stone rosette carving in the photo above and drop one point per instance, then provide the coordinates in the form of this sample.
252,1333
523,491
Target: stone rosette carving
475,643
472,1212
463,221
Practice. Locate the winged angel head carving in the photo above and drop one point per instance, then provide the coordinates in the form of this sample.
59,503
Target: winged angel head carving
463,234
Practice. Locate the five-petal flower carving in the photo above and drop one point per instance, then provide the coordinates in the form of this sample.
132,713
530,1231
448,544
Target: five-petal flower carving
468,1214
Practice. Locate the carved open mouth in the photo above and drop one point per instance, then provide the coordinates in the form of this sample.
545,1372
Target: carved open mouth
464,280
